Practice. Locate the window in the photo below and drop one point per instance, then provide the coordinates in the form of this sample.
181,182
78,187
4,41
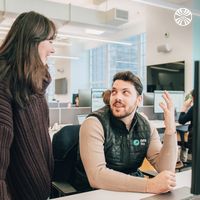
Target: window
107,60
50,92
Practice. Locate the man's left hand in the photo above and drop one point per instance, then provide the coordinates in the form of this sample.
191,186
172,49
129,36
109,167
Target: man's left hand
168,108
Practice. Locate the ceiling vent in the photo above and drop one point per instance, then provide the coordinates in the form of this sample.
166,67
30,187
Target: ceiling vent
116,17
111,18
69,13
97,2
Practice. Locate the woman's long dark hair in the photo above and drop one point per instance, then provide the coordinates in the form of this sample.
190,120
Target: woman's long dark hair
20,64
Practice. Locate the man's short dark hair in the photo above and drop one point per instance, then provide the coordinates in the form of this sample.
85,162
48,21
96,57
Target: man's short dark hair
129,76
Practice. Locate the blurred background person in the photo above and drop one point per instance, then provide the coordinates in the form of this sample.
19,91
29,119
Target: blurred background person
76,101
185,116
106,96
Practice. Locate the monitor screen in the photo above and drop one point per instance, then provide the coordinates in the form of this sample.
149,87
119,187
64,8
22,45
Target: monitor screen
81,118
84,97
148,99
167,76
97,99
177,97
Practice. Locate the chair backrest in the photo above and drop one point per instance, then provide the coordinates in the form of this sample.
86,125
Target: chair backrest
65,146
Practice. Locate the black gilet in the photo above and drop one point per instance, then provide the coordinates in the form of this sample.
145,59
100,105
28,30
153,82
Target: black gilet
124,150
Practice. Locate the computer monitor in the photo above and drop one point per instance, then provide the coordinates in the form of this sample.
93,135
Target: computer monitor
166,76
148,99
85,99
195,186
81,118
97,99
177,97
74,96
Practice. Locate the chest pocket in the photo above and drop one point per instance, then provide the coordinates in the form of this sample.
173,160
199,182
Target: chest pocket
138,144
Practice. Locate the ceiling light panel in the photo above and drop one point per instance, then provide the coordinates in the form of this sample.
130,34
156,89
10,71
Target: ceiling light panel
93,39
94,31
64,57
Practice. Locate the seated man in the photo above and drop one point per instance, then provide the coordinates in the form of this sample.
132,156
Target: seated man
115,139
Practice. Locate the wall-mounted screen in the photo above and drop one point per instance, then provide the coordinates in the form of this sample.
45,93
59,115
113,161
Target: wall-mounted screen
61,86
177,97
167,76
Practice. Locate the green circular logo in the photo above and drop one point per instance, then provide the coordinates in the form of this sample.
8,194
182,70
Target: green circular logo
136,142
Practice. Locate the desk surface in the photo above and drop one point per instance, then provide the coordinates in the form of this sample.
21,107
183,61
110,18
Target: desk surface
182,179
160,124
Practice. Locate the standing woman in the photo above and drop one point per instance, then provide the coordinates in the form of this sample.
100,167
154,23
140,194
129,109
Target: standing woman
26,162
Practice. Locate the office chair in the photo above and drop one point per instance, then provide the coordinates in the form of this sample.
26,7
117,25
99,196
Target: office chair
147,169
65,144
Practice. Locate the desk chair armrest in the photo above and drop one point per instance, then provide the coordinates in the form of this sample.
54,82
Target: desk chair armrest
63,188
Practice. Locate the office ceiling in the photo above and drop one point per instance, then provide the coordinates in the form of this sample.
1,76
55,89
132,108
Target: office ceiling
78,15
73,17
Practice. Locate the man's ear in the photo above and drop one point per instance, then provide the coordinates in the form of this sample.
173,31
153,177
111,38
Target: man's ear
139,100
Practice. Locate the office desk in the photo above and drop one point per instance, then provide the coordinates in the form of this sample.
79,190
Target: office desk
183,179
159,124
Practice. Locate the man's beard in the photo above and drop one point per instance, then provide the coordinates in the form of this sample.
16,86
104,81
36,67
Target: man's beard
126,113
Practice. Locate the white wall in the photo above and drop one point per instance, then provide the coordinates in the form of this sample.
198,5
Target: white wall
80,78
76,71
63,70
160,21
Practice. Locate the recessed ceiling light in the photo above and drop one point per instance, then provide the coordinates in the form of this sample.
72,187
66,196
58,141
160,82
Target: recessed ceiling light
93,39
94,31
64,57
62,43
